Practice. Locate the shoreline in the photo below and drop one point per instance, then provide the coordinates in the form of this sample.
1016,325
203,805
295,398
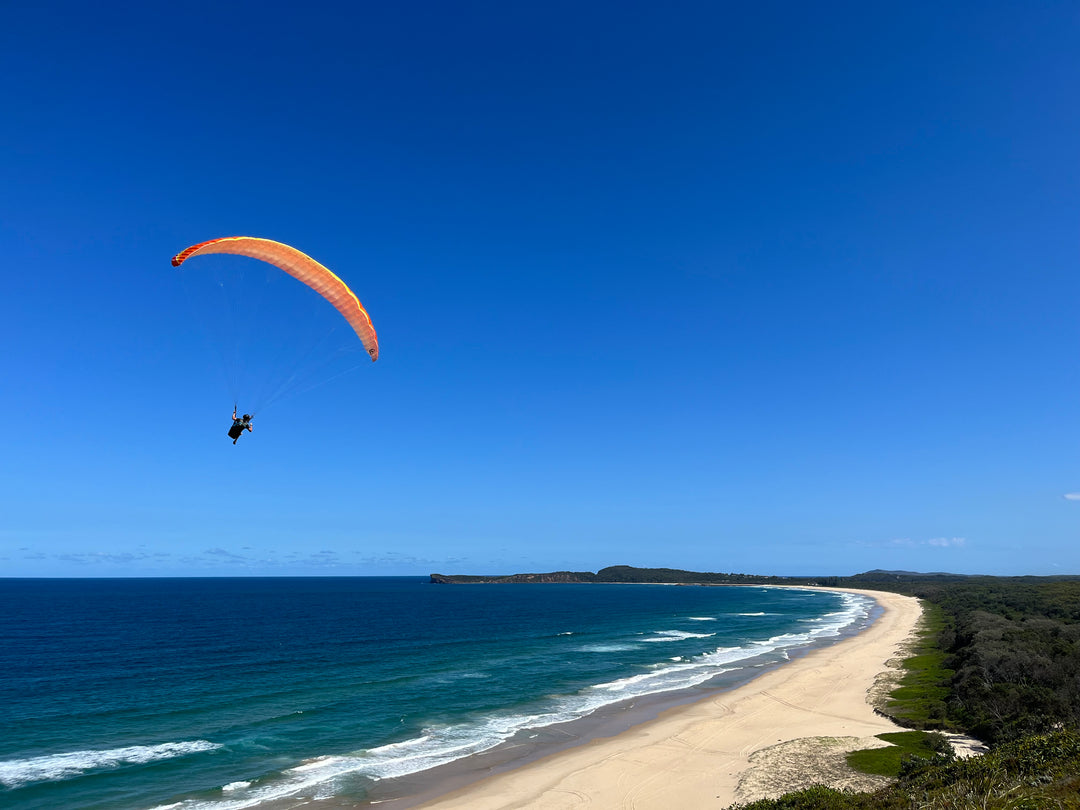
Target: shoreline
737,744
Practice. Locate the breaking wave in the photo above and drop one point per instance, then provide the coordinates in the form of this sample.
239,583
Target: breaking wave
16,773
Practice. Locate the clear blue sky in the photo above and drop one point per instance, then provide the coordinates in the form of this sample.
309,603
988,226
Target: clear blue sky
775,287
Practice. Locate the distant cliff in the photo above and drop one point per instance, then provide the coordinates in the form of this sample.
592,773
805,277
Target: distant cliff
554,576
627,573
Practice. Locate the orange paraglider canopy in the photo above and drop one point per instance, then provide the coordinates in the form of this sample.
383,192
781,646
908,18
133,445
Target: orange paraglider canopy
301,267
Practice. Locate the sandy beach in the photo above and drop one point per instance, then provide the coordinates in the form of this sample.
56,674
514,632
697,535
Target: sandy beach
787,729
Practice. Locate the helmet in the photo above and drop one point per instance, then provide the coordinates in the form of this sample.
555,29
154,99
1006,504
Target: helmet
247,416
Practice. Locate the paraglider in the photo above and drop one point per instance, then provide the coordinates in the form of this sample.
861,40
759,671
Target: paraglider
305,269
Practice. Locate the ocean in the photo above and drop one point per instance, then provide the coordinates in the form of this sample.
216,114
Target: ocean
222,694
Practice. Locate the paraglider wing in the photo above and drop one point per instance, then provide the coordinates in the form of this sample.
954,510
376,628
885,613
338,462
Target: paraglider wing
301,267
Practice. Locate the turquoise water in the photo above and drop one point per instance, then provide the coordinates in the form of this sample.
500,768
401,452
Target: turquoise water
221,694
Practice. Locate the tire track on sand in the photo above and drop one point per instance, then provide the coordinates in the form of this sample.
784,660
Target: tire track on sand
807,709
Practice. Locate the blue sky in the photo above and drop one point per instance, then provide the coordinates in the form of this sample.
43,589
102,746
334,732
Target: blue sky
770,288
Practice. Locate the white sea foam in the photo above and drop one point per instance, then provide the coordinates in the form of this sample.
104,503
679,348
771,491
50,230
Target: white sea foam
438,745
676,635
702,618
236,786
453,677
57,767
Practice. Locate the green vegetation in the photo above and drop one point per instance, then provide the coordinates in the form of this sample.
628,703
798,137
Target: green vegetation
1014,648
1037,772
920,699
627,573
894,759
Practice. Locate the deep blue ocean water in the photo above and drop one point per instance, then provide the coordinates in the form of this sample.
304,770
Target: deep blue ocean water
220,694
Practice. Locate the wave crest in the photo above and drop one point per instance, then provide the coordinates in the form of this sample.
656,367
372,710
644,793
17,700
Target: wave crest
58,767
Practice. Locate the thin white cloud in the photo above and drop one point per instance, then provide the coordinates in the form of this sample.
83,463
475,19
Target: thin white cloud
224,554
109,557
1072,496
945,542
907,542
398,559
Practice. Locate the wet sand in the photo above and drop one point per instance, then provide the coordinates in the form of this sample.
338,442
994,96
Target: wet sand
786,729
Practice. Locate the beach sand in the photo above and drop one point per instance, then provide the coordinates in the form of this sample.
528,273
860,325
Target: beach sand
786,729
